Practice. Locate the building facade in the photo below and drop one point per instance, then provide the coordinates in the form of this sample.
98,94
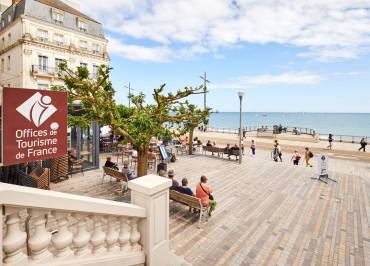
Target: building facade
37,35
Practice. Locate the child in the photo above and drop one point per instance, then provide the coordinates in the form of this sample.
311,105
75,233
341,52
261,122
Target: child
296,157
253,147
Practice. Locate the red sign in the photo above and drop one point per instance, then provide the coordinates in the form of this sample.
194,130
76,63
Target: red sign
34,125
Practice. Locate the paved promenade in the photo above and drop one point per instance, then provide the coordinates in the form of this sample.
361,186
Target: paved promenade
268,213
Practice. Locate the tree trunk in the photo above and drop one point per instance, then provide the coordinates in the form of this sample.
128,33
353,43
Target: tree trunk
142,161
191,133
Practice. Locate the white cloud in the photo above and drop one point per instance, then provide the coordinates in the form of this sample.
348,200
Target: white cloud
289,78
327,30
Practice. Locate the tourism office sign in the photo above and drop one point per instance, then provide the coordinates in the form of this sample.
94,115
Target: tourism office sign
34,125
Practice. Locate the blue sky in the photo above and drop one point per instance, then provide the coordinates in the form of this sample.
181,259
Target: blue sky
301,57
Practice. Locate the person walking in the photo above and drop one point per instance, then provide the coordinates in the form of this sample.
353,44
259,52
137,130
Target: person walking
253,147
275,153
330,139
296,157
363,144
279,150
307,157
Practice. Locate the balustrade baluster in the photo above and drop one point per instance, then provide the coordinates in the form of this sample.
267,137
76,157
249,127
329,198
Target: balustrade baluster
124,235
63,239
135,235
98,236
41,238
112,234
14,238
82,237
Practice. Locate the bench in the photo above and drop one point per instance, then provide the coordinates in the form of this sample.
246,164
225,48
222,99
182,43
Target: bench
232,152
221,151
119,176
213,149
192,202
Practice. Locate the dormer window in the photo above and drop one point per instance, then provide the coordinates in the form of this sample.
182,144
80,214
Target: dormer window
2,23
82,26
58,18
42,35
9,18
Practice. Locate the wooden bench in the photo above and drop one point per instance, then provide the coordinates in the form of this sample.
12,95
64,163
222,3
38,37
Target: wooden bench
232,152
213,149
119,176
192,202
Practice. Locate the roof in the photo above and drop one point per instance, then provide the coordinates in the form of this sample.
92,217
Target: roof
64,7
40,10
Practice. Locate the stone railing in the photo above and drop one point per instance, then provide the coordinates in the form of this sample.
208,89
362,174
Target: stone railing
51,228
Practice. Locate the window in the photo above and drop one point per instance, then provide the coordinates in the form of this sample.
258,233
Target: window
2,64
58,61
9,18
95,48
43,86
9,37
95,72
8,62
42,35
43,63
59,39
3,42
58,18
82,64
83,45
82,26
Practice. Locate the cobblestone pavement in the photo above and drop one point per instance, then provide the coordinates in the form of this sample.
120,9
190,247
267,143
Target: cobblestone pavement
267,214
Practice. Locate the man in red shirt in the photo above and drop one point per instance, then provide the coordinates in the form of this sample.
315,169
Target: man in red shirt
203,192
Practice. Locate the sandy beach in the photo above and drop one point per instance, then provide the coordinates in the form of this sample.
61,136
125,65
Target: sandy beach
289,143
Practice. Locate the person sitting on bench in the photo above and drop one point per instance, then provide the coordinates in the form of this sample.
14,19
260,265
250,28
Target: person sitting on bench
127,171
184,188
110,164
209,144
175,184
203,192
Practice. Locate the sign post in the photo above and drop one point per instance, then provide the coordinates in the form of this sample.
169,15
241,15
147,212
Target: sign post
34,125
323,168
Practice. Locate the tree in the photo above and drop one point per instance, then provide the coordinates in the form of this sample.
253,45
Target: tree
139,124
191,118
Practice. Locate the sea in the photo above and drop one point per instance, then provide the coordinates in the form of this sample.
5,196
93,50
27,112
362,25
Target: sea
350,124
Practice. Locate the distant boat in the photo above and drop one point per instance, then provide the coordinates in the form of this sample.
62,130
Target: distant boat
264,115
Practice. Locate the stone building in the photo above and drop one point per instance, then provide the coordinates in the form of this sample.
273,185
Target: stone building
35,37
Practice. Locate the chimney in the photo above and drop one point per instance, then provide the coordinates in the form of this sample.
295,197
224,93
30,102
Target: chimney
15,2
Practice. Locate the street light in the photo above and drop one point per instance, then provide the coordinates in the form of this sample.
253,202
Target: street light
205,81
129,92
240,94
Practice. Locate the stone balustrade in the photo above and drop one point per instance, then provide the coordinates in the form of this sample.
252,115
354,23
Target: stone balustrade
52,228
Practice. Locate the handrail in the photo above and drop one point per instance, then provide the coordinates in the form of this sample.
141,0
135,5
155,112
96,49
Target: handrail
63,229
37,198
300,130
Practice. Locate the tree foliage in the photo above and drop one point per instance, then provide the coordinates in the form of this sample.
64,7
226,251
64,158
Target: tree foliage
93,101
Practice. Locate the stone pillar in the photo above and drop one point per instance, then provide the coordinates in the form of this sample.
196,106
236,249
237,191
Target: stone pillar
151,192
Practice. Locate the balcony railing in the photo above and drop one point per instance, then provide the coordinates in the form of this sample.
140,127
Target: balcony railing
45,70
42,227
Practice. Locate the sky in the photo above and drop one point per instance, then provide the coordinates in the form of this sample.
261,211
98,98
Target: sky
286,56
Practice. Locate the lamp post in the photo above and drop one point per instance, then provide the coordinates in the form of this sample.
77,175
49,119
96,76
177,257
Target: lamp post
129,92
205,81
240,94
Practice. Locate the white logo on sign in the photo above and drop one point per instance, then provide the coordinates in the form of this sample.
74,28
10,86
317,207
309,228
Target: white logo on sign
37,109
